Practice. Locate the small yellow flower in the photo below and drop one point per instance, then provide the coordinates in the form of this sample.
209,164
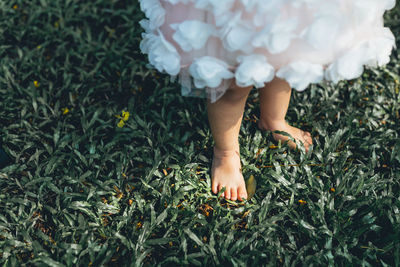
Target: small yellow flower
36,83
65,111
302,202
125,115
124,118
38,47
121,124
15,6
333,189
56,24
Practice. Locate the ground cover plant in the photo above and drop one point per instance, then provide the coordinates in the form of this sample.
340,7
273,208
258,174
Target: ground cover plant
110,165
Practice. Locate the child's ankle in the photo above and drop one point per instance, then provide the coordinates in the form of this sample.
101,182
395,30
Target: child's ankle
272,125
220,153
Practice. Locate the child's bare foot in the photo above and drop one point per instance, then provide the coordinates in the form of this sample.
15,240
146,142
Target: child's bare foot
296,133
226,172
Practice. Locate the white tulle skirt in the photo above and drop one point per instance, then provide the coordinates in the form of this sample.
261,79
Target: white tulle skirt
210,44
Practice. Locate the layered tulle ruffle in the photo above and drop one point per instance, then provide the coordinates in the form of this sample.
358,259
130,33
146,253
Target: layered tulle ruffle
211,43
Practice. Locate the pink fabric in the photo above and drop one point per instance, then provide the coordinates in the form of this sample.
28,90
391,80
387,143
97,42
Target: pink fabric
350,34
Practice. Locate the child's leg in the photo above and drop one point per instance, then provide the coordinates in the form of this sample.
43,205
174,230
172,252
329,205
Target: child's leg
274,102
225,117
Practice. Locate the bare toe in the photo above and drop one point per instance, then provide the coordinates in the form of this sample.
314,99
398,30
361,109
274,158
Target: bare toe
308,138
214,187
242,194
228,193
233,194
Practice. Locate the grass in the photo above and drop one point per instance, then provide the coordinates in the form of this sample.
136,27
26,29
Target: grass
82,191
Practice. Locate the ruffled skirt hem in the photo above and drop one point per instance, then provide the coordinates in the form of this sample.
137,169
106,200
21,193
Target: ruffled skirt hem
211,43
